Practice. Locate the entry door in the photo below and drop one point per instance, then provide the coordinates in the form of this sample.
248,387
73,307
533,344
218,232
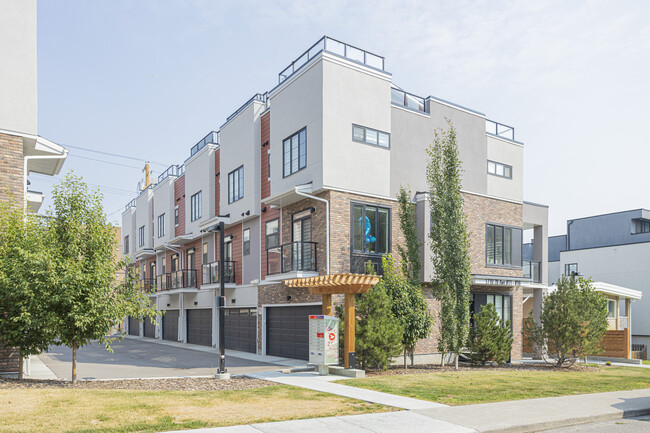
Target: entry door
191,276
174,263
301,251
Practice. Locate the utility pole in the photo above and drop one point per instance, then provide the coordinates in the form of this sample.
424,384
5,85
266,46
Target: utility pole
222,373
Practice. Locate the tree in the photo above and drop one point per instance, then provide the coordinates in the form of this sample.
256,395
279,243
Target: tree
87,300
573,321
410,256
26,322
408,306
449,241
490,339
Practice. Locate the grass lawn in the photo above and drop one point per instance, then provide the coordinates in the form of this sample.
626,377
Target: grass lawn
93,410
484,386
646,361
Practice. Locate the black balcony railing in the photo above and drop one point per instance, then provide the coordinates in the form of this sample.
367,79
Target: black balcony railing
148,284
185,278
210,274
162,282
531,270
172,170
211,138
291,257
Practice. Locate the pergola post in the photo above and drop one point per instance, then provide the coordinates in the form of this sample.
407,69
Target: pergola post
628,329
348,343
328,310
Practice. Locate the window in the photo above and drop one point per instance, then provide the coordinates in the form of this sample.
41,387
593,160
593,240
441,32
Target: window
141,236
362,134
190,258
247,241
570,269
498,169
268,160
503,245
196,206
641,226
125,245
176,216
502,304
272,233
236,185
174,262
161,225
370,229
205,253
294,151
611,308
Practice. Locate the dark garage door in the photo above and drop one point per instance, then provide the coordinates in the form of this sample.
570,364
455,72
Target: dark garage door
287,330
241,329
149,328
134,326
170,325
199,326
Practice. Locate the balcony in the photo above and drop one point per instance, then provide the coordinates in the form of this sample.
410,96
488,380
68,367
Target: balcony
500,130
292,257
183,279
162,282
408,100
335,47
148,284
210,274
129,205
211,138
531,271
173,170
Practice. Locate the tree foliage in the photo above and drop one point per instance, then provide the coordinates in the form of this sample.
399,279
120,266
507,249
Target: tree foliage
86,298
573,322
410,256
26,322
449,241
407,304
490,339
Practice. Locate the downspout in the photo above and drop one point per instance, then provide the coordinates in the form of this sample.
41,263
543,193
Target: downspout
26,159
327,221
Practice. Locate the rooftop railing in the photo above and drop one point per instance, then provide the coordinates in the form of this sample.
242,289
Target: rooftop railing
336,47
173,170
260,97
500,130
129,205
211,138
408,100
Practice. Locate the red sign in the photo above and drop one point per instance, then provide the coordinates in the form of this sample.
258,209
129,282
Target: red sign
332,336
320,335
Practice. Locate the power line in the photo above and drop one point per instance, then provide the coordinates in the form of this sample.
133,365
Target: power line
111,189
106,162
114,154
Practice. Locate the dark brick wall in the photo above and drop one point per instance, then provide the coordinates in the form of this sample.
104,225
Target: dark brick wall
265,122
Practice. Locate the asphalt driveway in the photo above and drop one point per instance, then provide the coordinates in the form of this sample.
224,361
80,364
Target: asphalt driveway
136,358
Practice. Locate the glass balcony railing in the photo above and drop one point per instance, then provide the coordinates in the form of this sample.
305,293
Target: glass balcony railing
408,100
531,271
173,170
210,273
292,257
211,138
500,130
129,205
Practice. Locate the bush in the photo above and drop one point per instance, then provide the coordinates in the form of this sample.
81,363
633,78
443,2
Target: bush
490,339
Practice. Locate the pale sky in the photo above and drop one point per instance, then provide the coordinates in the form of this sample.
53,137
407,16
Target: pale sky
148,79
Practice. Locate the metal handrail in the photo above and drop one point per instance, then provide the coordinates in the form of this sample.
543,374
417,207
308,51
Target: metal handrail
408,100
500,129
260,97
210,272
531,270
148,284
172,170
293,256
129,205
211,138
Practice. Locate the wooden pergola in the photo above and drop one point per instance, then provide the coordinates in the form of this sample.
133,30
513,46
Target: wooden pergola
337,284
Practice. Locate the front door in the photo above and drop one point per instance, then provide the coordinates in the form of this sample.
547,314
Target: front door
190,273
301,250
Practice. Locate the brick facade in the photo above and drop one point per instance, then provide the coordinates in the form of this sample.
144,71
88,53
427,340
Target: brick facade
265,138
179,200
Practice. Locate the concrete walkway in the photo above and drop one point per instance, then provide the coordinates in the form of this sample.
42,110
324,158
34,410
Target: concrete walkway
312,380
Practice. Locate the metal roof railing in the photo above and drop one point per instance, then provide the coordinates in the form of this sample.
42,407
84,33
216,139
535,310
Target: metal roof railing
173,170
129,205
211,138
500,130
260,97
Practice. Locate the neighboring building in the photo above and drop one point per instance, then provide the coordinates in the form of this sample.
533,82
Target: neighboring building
22,151
335,133
612,248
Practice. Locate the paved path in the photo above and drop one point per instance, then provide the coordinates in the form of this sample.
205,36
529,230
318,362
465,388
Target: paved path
312,380
140,358
630,425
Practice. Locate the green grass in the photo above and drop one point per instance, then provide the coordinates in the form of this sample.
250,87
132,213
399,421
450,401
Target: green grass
484,386
646,361
122,411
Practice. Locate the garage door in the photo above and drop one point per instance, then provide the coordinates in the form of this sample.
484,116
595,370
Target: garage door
170,325
287,330
199,326
149,328
241,329
134,326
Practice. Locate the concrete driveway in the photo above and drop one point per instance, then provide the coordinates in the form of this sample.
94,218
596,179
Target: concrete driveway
139,358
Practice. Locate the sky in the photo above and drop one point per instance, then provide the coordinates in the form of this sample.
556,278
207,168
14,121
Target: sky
148,79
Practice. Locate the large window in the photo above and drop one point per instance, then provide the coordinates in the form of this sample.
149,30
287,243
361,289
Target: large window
126,244
498,169
236,185
502,303
247,241
141,236
641,226
503,245
370,229
272,233
294,152
196,206
570,269
161,225
365,135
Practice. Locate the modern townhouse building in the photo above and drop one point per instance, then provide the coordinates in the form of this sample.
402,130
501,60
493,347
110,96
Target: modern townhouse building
22,150
306,177
614,249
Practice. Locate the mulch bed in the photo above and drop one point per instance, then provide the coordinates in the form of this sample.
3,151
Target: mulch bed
185,384
462,367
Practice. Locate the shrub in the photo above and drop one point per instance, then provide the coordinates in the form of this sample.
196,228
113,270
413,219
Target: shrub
490,339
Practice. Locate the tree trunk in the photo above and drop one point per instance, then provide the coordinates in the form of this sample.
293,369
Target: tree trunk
405,366
412,355
74,363
21,365
442,359
457,356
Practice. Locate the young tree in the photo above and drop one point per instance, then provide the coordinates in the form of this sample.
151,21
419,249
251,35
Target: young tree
573,321
87,300
449,241
26,322
410,256
490,339
408,306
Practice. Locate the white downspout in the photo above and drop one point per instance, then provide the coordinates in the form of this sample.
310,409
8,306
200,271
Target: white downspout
327,222
27,159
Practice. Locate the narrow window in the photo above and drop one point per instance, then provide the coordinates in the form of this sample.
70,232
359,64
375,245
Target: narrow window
126,244
176,216
161,225
247,241
268,161
196,206
236,185
294,152
272,233
205,253
502,245
141,236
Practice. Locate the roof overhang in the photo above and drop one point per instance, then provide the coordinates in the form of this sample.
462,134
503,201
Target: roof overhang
52,155
623,292
34,200
290,197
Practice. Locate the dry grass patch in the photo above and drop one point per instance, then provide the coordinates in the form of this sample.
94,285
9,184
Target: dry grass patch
89,410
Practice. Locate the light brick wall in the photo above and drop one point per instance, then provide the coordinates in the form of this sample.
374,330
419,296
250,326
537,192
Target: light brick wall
11,168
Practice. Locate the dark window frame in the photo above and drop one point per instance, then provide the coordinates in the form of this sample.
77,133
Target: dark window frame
232,197
246,243
141,236
176,216
641,223
272,235
504,227
161,225
196,206
504,296
125,245
284,161
495,170
567,269
389,235
365,135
